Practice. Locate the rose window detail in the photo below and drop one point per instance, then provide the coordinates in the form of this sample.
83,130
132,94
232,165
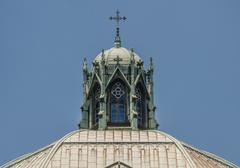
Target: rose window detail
117,90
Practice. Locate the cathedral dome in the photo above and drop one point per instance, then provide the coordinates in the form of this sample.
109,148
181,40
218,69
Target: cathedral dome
118,128
119,148
121,54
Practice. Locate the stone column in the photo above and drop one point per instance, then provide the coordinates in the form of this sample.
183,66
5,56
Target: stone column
84,108
133,112
103,111
152,121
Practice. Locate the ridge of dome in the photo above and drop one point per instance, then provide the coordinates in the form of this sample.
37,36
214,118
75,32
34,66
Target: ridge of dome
123,54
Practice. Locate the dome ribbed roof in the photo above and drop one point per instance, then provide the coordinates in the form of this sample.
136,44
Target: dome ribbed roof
96,148
121,52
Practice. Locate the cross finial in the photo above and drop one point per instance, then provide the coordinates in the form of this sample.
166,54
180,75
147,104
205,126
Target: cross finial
118,59
117,18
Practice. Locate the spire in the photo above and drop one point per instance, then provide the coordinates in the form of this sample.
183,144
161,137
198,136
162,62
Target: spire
117,18
85,67
103,56
151,64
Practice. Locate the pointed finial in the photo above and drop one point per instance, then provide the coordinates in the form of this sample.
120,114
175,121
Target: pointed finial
117,18
103,55
151,64
151,61
85,64
132,55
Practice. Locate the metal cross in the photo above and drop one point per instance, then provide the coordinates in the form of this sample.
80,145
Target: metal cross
118,59
117,18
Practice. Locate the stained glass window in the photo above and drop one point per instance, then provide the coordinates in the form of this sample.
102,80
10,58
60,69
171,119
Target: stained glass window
118,103
140,106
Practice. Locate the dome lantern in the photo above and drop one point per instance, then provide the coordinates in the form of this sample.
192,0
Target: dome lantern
118,91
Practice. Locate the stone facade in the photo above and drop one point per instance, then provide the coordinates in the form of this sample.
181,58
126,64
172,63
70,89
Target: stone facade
119,148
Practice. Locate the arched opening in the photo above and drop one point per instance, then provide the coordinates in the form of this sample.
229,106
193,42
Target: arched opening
140,105
96,105
118,103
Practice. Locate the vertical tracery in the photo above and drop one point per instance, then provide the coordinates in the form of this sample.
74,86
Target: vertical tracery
96,105
140,105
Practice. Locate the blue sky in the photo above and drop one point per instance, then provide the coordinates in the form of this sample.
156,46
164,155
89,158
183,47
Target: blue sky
194,44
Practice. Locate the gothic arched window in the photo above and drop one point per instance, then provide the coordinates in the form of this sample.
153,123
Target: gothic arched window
118,107
140,106
96,104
